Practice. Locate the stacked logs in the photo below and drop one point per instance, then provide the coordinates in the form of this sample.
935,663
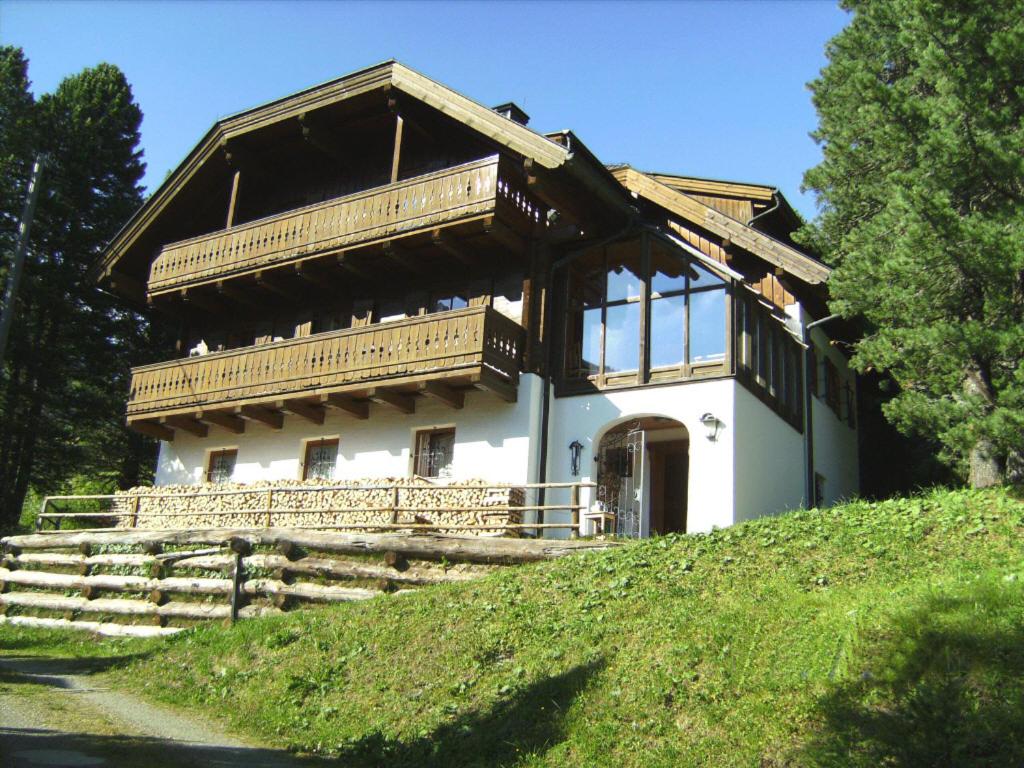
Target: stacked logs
468,506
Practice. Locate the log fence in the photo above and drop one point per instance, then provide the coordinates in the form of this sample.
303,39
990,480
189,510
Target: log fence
231,574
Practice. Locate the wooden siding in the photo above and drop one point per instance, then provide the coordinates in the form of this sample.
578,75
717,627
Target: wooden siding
480,188
446,345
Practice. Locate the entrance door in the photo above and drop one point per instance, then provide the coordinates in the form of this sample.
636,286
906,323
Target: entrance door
642,476
669,469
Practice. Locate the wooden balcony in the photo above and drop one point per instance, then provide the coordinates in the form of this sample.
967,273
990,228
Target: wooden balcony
484,189
391,364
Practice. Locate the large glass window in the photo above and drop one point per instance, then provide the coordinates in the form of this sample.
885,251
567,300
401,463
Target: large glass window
619,297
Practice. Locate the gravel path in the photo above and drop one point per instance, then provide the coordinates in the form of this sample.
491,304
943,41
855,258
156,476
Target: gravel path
53,715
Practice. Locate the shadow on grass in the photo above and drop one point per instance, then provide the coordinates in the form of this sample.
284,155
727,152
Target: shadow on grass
36,746
942,685
529,723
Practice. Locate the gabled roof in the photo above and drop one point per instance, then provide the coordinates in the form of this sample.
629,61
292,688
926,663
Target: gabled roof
794,262
390,74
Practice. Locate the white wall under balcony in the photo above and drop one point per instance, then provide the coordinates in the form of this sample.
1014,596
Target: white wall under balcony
492,442
587,417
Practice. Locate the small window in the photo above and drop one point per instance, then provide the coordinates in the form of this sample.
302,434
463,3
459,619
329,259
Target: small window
321,460
221,466
447,302
434,450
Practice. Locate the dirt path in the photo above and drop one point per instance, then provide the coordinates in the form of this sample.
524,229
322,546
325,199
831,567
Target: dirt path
54,713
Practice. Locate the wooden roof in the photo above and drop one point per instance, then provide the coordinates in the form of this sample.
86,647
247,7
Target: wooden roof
388,75
676,202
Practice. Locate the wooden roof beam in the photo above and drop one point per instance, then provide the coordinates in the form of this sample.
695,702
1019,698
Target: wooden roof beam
457,248
308,411
401,256
396,400
453,398
490,382
275,287
186,423
355,408
266,416
227,421
345,262
204,302
513,241
231,292
152,429
314,134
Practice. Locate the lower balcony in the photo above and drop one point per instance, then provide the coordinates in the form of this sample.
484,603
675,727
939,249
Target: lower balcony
392,364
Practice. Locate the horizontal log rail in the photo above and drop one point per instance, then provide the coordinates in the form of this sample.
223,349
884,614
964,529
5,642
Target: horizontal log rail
466,191
242,573
459,342
274,517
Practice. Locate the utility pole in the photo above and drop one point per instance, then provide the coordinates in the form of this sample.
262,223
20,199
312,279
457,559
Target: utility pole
18,264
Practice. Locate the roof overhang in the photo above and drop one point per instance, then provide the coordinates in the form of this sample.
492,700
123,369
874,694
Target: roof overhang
388,75
790,260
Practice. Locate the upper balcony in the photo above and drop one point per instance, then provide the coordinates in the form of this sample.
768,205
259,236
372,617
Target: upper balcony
482,196
393,363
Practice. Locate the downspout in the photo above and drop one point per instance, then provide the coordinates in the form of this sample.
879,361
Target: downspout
809,410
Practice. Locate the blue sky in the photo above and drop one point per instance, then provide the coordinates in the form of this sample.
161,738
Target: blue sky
714,89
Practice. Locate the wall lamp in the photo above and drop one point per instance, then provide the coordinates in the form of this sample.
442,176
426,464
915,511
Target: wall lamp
575,448
712,424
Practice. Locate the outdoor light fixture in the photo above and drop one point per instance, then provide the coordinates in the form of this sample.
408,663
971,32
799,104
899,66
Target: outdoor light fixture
575,447
712,424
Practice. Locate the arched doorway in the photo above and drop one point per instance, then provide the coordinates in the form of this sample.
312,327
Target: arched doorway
642,476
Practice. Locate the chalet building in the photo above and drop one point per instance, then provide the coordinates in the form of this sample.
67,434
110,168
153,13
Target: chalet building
379,277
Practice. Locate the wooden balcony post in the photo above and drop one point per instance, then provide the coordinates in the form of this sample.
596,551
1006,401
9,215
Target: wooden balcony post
233,199
398,148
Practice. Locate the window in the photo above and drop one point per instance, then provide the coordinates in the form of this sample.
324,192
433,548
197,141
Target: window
434,450
632,297
220,465
446,303
321,460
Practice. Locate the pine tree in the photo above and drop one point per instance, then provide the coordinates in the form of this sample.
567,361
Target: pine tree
66,373
921,189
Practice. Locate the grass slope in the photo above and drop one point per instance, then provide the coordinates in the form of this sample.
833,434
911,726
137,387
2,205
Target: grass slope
863,635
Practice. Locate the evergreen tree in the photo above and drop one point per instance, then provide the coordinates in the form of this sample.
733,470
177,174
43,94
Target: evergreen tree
921,189
66,374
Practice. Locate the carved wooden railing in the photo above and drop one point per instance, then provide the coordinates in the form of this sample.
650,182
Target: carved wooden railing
465,191
456,342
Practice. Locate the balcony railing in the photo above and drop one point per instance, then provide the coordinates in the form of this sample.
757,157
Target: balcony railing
441,198
449,345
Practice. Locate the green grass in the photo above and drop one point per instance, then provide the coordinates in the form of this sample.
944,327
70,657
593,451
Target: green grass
868,634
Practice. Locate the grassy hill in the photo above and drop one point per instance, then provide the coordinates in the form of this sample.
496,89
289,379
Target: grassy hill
863,635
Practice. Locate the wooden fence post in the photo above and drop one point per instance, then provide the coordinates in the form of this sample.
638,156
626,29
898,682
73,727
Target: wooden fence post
394,505
574,503
135,512
270,504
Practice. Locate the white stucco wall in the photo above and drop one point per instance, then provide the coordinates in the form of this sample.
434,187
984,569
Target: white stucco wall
769,460
835,442
492,441
587,417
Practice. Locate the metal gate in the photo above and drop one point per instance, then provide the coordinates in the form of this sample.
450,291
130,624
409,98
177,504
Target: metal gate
620,479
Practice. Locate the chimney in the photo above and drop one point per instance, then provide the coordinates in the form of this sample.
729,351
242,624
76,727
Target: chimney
512,111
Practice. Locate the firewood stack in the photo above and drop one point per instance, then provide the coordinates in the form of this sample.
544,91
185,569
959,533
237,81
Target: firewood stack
368,504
